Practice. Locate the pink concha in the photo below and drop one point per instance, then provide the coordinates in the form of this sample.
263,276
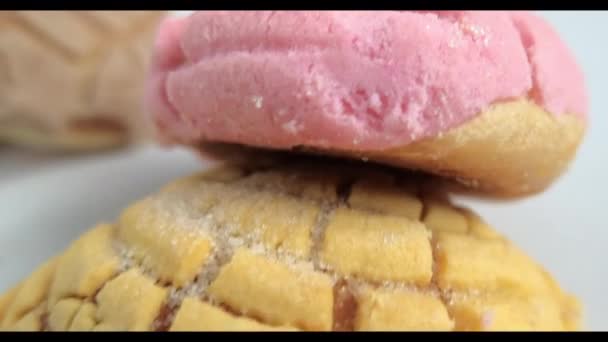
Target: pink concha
351,80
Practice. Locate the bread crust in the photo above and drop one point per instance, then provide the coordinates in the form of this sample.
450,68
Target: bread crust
512,149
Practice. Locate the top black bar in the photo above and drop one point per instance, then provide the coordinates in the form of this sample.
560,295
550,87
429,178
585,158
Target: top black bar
302,5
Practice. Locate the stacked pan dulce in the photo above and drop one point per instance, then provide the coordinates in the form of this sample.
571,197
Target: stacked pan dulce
333,216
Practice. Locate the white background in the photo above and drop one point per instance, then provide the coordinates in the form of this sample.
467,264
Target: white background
45,201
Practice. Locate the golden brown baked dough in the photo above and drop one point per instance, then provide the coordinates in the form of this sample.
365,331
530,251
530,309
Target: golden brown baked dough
513,148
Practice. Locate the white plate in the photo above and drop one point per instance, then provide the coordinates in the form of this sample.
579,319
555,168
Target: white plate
45,202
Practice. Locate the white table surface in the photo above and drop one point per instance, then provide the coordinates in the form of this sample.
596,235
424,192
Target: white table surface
46,201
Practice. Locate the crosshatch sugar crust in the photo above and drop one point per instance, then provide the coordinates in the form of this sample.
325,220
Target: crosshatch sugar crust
249,247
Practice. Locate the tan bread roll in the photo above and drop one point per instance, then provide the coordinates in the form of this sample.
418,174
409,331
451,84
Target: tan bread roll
73,80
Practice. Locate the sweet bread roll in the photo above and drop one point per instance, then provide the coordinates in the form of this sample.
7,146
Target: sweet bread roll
73,80
494,100
305,245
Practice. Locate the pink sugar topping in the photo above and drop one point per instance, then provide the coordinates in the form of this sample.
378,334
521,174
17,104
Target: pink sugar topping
351,80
